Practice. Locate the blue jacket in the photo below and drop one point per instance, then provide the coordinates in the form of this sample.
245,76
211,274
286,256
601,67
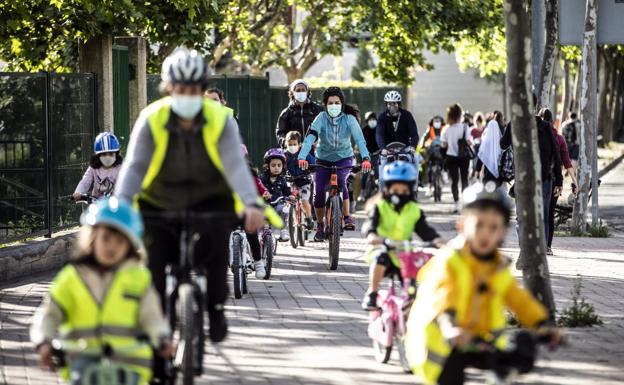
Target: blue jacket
292,165
406,131
334,138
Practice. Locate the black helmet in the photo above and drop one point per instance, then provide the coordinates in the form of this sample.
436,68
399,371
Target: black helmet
333,91
487,195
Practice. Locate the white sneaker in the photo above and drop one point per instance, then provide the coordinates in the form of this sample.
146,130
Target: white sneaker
260,270
458,207
284,237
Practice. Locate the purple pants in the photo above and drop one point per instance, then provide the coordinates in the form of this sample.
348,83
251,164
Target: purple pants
322,176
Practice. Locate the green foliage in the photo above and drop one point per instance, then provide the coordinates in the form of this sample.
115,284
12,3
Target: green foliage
599,231
363,63
581,313
485,53
44,35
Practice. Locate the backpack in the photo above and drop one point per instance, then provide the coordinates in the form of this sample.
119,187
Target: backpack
506,171
569,133
435,150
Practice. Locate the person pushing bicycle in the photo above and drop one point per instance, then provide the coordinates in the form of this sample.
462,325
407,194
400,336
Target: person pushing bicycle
178,152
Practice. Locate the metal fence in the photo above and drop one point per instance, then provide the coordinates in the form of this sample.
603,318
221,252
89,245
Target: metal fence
47,126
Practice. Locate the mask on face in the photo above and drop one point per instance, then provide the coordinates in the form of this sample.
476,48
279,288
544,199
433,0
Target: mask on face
398,200
293,149
437,125
372,123
301,96
334,110
107,160
186,106
393,110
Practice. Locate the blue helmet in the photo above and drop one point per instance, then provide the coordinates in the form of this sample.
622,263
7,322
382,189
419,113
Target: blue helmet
399,171
118,214
105,142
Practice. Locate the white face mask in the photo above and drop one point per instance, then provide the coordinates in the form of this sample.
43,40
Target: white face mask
186,106
107,160
293,149
301,96
437,124
334,110
372,123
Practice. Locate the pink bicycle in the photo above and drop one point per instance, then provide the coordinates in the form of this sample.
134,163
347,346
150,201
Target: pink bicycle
387,325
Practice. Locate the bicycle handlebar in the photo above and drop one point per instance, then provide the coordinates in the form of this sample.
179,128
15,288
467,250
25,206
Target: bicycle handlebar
354,167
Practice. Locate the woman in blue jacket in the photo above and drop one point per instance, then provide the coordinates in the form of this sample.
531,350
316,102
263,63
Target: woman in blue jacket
333,130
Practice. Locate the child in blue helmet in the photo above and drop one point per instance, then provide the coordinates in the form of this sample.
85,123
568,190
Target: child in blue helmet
104,296
273,179
99,179
394,215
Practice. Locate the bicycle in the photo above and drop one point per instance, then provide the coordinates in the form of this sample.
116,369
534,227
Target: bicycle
333,211
436,179
241,261
105,366
387,325
297,227
371,187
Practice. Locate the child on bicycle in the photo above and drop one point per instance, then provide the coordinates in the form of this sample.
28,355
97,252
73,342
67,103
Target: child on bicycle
253,238
302,177
104,297
101,175
395,216
273,179
458,318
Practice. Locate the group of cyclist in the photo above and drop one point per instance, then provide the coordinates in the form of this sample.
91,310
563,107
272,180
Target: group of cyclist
180,157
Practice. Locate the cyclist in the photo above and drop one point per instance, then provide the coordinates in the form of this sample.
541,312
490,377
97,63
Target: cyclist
299,114
368,129
218,96
395,124
303,180
433,145
104,296
178,151
273,179
333,129
462,295
396,216
101,175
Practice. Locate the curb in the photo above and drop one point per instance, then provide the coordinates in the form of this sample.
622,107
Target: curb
614,163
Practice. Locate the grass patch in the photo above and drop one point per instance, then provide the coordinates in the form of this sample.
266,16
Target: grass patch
600,231
581,313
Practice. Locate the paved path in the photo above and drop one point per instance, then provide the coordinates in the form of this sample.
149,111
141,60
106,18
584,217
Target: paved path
305,326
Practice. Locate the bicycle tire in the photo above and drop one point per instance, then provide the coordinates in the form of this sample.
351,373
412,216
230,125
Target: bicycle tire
200,337
267,249
186,373
400,342
292,226
382,353
335,227
437,186
237,269
301,236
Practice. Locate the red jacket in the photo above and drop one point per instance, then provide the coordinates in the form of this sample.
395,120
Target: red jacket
259,186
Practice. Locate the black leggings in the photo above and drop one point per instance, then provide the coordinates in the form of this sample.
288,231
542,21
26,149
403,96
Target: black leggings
457,167
254,244
551,219
522,358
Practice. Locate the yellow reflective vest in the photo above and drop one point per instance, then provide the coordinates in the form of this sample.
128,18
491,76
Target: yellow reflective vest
113,322
398,226
450,281
158,116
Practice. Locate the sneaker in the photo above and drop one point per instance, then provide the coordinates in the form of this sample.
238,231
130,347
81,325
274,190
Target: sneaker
284,237
309,223
320,233
369,302
260,270
457,208
549,251
218,325
349,224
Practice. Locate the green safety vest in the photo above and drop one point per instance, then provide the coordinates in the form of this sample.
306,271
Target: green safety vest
426,348
397,226
113,322
158,116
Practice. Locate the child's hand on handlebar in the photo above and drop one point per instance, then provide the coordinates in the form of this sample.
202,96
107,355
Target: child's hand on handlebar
303,164
366,165
45,356
266,195
76,196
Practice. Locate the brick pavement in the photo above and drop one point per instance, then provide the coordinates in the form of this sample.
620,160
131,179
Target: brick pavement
304,326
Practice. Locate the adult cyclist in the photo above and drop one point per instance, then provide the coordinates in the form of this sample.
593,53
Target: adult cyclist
300,112
395,124
178,151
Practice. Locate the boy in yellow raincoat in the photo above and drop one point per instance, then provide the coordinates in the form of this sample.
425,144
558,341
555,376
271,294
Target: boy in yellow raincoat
462,298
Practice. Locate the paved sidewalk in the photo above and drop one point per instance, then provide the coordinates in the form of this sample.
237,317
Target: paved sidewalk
304,326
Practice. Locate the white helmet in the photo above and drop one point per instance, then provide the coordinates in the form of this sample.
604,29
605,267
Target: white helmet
392,96
184,66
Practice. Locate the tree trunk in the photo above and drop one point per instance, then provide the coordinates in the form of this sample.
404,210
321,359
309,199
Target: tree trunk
550,54
586,134
526,152
566,90
614,94
577,89
618,105
604,69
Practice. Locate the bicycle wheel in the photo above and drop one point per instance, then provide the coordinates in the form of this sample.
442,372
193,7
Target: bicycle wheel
382,353
335,226
292,226
437,185
301,236
237,269
267,250
187,315
199,339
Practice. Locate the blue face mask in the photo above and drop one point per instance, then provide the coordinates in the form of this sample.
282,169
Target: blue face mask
186,106
334,110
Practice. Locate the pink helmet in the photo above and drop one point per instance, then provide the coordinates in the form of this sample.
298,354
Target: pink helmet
274,153
244,151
